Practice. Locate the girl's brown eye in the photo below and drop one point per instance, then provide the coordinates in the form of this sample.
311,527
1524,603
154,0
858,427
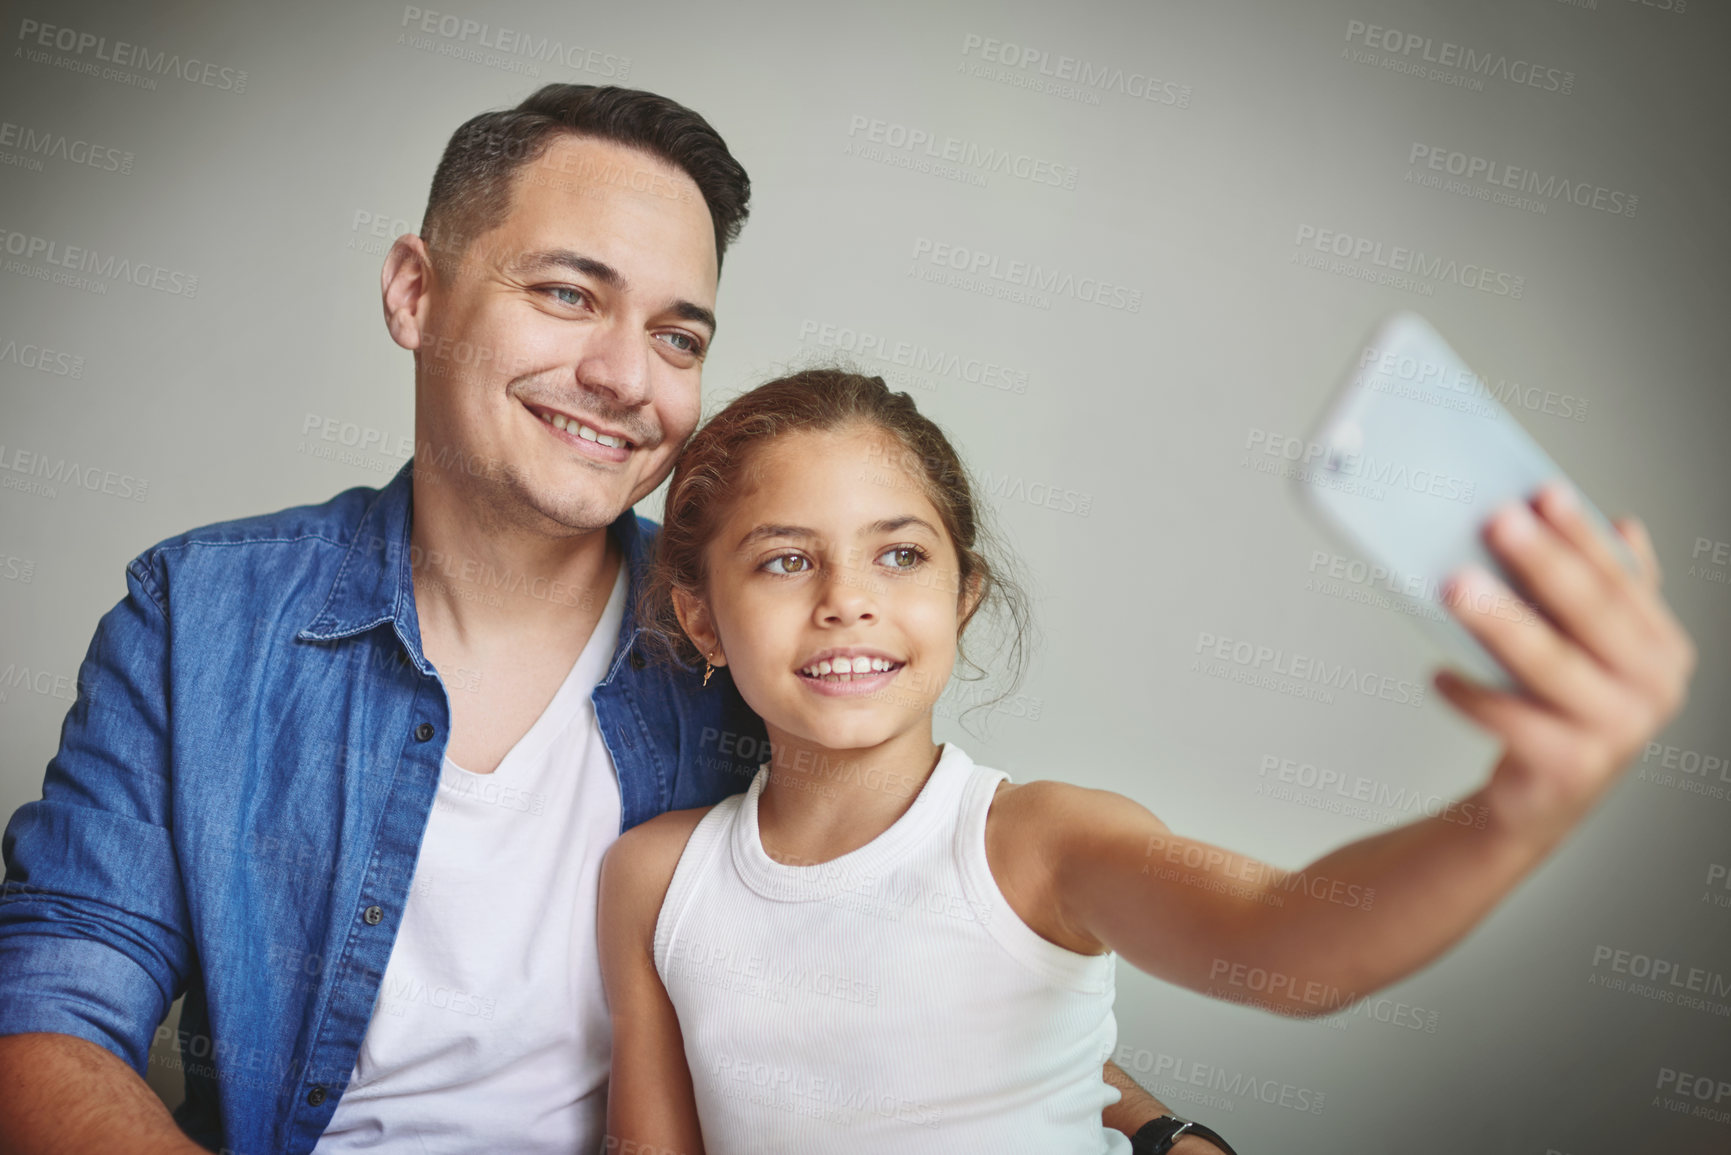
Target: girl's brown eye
905,556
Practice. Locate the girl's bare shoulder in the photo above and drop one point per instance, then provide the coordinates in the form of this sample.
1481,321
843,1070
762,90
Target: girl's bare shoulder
639,865
1044,812
1033,832
1024,847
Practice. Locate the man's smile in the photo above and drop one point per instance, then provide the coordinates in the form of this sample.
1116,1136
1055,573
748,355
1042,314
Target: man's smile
605,444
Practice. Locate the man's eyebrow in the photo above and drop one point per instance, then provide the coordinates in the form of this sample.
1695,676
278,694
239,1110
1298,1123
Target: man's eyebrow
569,259
883,525
697,314
606,274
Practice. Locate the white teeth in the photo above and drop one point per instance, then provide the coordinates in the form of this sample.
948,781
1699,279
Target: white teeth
596,435
846,669
571,425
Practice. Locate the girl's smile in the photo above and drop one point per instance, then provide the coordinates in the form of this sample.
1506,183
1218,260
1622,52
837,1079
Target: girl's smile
845,670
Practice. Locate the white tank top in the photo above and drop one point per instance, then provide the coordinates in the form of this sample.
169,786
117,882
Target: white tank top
491,1030
887,1000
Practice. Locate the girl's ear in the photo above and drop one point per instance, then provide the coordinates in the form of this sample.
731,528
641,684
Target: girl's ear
694,619
971,594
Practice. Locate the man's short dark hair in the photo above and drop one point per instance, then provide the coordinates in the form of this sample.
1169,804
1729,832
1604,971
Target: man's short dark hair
472,186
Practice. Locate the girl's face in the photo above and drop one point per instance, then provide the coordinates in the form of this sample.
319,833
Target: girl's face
832,559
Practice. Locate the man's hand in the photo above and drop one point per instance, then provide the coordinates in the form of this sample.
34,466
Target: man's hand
1604,669
1137,1107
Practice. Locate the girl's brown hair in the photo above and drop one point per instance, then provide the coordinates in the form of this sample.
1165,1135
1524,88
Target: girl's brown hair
713,464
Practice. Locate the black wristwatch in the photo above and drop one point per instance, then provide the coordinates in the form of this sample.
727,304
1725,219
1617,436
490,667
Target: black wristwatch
1156,1136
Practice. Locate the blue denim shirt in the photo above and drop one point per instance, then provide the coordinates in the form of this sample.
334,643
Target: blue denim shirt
239,798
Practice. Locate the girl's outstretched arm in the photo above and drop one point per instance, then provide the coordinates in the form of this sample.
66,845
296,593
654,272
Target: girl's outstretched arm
1304,942
651,1109
1604,668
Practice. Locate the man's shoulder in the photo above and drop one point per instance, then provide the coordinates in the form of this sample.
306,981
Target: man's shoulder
332,520
316,536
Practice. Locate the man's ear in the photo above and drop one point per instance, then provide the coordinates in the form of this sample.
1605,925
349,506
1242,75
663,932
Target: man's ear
695,620
405,284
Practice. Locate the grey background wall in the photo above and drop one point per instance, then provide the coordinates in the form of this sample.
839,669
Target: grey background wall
1182,173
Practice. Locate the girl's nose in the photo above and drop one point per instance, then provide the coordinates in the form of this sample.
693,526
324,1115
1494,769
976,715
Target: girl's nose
846,599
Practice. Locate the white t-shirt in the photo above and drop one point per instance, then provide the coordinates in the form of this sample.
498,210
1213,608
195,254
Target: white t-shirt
491,1030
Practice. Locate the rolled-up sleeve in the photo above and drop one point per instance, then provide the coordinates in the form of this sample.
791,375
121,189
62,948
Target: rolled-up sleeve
94,934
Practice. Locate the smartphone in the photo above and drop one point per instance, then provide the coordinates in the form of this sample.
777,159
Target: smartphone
1404,467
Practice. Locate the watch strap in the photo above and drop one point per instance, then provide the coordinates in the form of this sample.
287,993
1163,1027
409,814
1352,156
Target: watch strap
1157,1136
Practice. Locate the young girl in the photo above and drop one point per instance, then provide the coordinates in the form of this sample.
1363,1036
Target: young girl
882,946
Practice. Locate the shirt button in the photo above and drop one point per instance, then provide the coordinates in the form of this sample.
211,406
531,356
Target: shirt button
424,732
315,1096
374,915
637,662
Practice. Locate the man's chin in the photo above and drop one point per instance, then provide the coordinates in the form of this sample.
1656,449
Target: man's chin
573,505
582,515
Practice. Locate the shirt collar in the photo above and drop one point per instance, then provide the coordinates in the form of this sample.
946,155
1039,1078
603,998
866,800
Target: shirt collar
375,583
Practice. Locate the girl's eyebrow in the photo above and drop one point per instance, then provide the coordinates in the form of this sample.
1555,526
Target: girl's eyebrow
882,525
891,524
768,531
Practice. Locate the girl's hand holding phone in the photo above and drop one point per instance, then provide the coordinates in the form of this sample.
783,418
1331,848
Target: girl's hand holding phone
1560,643
1603,666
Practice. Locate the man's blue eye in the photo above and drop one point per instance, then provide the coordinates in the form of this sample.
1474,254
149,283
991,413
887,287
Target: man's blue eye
684,342
575,296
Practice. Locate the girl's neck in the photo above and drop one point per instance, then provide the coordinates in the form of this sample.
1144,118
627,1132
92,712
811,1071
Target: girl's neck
821,803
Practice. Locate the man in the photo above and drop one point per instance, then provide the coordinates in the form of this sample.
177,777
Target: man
344,774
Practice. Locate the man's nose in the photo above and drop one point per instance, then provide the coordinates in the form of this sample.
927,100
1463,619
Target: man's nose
615,360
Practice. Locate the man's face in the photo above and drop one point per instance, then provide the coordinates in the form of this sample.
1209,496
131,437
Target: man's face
587,311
